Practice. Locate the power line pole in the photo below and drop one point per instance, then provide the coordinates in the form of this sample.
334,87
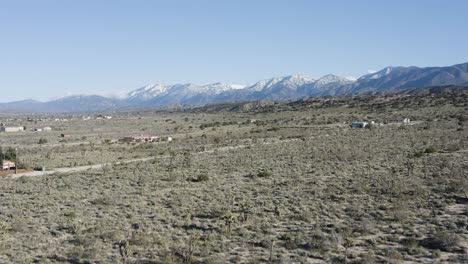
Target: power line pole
16,160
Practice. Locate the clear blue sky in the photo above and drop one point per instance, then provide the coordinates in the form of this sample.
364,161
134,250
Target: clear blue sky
51,48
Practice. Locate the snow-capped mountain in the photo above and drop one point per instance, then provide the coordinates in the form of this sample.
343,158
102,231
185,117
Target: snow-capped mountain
398,78
159,94
289,82
330,79
326,85
147,92
379,74
281,88
271,89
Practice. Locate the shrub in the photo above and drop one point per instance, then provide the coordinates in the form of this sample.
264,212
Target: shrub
202,178
263,174
430,150
274,129
443,241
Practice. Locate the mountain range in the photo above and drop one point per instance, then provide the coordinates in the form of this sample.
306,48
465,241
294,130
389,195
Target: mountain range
390,79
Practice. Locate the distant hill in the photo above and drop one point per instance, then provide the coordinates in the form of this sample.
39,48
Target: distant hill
408,80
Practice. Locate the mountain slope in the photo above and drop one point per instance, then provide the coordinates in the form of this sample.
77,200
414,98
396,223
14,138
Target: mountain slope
325,85
283,88
407,77
23,106
387,80
84,103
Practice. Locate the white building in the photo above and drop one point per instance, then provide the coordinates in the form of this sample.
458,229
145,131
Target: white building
359,124
11,129
7,164
140,138
43,129
399,120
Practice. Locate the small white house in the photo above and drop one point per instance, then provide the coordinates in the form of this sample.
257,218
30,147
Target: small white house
399,120
43,129
359,124
11,129
7,164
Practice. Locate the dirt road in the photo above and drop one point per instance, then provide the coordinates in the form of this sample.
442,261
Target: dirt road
75,169
99,166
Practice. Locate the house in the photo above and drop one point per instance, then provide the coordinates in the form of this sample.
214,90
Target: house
8,164
398,120
140,138
359,124
169,139
11,129
103,117
65,135
42,129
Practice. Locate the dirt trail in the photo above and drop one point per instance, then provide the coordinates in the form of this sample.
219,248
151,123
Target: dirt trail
75,169
99,166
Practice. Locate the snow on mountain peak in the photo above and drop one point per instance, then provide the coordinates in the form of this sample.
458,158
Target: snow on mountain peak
299,77
289,81
330,78
379,74
151,91
148,91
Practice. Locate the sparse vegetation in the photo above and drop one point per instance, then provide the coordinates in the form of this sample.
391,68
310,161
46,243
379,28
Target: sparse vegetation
303,188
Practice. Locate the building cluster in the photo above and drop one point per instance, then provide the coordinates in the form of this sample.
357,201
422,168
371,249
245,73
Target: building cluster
389,121
140,138
103,117
9,129
44,129
145,138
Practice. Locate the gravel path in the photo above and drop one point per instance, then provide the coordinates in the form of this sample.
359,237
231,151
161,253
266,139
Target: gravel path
75,169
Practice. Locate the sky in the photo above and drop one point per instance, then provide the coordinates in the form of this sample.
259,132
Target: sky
53,48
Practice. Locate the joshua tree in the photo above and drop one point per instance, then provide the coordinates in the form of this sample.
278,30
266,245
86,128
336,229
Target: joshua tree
347,244
187,161
229,219
124,250
409,164
1,158
272,245
245,209
188,254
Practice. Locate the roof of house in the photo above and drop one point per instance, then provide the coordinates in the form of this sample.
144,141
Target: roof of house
141,136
